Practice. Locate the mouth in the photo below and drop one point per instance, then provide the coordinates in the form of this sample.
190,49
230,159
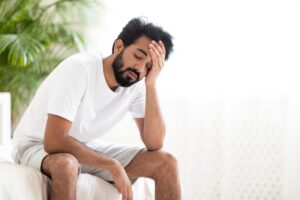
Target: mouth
132,75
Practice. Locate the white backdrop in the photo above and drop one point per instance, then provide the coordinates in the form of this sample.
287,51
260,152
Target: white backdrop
229,93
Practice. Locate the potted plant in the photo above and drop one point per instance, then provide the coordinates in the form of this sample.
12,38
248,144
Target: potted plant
35,36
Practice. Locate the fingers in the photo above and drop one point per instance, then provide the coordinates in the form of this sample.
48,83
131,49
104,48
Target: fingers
124,197
153,57
157,51
122,182
129,192
125,190
122,191
127,195
162,46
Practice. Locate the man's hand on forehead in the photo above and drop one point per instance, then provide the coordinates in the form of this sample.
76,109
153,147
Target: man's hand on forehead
157,52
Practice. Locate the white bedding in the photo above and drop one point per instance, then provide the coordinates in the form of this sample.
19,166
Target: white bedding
19,182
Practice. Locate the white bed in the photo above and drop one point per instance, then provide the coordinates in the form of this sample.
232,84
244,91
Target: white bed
19,182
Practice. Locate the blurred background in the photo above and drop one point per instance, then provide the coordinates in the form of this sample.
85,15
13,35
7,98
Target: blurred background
230,92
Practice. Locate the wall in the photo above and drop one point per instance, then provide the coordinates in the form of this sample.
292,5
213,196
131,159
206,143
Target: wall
5,118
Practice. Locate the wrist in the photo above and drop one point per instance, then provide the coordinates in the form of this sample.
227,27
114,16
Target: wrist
110,164
150,85
114,166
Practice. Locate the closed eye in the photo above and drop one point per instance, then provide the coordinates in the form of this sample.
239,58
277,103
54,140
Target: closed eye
138,57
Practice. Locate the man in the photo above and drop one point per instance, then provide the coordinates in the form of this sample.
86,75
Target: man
83,98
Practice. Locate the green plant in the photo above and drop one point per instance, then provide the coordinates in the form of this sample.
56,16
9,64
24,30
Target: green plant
35,36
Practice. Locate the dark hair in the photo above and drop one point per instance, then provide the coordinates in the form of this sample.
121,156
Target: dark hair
138,27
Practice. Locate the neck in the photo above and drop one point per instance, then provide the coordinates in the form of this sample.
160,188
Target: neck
109,73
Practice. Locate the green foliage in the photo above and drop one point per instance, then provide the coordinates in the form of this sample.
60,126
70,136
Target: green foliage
34,38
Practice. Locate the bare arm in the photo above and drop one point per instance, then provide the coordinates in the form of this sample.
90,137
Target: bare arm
152,127
57,140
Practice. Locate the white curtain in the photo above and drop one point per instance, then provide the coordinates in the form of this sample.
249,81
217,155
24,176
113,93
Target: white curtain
237,148
231,147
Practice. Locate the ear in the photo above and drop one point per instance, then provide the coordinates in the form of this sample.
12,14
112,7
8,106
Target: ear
118,46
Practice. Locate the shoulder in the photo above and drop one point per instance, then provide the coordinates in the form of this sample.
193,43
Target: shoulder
84,58
80,62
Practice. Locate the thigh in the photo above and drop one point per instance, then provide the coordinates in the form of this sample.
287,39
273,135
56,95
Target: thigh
30,152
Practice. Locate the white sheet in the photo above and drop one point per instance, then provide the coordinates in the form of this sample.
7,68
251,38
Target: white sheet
20,182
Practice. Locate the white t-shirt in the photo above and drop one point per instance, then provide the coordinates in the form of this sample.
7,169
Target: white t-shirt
77,91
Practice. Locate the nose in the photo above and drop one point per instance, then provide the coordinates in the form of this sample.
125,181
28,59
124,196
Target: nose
140,68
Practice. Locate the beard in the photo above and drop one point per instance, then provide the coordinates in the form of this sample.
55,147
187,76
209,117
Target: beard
122,77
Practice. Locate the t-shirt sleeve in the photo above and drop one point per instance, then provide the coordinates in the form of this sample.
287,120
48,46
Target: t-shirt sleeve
68,85
137,108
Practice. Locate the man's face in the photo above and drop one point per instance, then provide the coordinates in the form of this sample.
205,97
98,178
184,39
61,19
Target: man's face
125,76
132,63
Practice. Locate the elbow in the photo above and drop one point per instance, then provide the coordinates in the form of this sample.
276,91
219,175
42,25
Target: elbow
154,143
48,148
154,147
51,147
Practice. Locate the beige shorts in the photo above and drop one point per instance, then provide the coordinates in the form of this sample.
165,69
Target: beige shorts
31,152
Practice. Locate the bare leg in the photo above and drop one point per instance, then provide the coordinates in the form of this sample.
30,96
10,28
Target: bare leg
62,168
162,168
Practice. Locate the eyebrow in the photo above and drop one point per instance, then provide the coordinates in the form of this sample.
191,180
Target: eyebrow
143,51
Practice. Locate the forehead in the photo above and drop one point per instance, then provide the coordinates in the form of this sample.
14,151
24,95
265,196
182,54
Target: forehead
141,43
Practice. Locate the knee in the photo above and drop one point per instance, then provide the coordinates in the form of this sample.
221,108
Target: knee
169,161
167,164
65,165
